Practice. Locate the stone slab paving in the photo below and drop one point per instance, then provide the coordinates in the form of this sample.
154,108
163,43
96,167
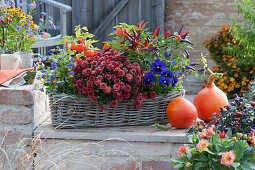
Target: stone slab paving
127,133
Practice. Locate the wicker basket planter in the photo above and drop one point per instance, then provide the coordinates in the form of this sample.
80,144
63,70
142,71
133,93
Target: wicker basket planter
72,112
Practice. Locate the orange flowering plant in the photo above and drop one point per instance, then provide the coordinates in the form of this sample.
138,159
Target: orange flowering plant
237,75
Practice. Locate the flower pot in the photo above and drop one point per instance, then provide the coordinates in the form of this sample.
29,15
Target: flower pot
26,58
10,61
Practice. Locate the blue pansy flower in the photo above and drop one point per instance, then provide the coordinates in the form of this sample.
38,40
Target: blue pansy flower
54,66
169,55
167,73
158,66
174,81
28,31
41,89
53,77
174,61
31,35
50,52
181,75
71,74
149,79
1,5
164,80
32,5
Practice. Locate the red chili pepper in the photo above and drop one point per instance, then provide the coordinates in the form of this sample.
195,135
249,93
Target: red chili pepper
166,35
150,46
237,119
2,21
156,33
3,41
239,114
146,43
252,104
140,25
237,126
126,33
177,36
143,46
185,34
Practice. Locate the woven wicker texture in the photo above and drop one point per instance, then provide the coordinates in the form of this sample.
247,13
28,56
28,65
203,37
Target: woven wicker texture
72,112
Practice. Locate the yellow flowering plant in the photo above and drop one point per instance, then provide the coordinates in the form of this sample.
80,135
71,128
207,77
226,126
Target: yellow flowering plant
18,31
237,75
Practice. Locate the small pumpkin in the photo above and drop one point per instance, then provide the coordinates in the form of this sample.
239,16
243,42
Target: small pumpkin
181,113
210,99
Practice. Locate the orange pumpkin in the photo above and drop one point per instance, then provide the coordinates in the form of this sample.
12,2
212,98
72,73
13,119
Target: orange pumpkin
210,99
181,113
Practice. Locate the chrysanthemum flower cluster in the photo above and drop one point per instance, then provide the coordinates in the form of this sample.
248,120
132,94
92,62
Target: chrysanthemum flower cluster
109,78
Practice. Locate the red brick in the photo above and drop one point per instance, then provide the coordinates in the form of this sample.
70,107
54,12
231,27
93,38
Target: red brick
16,116
157,165
15,97
124,166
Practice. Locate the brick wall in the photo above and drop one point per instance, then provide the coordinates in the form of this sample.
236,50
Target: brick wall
202,17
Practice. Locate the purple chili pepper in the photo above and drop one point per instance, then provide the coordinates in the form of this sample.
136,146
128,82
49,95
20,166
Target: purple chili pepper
138,36
187,53
185,36
187,41
153,49
179,33
129,38
145,49
189,67
200,70
194,64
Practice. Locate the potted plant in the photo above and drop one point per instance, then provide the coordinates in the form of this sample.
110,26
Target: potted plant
20,32
132,72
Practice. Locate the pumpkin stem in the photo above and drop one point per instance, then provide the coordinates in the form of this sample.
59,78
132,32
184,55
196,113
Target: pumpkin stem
214,76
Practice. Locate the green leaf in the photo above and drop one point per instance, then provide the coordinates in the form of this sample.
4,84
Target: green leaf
247,155
245,166
200,165
236,164
238,150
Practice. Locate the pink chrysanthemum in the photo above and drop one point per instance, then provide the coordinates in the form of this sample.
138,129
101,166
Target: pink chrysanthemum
126,95
129,77
127,88
138,79
107,90
121,73
203,145
86,72
103,86
183,150
228,158
116,87
114,103
153,95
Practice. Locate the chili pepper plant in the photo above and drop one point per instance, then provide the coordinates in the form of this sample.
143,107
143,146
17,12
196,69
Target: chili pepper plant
156,54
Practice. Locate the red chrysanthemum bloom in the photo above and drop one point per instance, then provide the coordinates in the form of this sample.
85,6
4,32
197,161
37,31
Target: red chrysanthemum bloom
126,95
117,81
84,64
138,79
153,95
133,71
89,84
107,90
121,73
127,88
97,82
99,77
122,85
86,72
129,77
92,78
93,98
116,87
108,76
144,96
114,103
103,86
94,63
